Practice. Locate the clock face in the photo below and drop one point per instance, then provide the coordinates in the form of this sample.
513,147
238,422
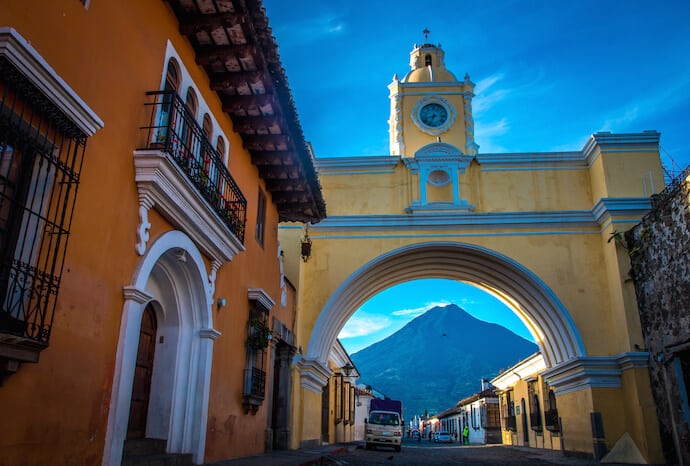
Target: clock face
433,115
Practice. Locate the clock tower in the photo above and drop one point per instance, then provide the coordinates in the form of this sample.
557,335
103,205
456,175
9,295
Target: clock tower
432,130
430,105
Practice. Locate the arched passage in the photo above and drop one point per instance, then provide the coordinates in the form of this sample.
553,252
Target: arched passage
543,314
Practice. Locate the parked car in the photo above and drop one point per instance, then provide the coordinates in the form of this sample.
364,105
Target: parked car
415,434
443,437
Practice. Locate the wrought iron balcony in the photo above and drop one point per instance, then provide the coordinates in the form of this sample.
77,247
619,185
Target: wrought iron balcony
255,382
254,387
173,129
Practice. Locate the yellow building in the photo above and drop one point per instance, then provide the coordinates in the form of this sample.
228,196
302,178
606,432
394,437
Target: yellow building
529,412
167,320
532,229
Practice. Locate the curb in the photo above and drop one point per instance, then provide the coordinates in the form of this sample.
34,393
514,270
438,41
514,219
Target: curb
320,459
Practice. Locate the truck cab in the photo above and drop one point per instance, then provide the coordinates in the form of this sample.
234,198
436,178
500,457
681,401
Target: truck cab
384,428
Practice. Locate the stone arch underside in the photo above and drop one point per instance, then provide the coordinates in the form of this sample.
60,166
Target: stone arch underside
544,315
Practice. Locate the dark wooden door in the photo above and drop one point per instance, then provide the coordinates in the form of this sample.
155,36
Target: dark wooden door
141,389
325,410
525,427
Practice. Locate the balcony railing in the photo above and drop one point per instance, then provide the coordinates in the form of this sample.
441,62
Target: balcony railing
173,129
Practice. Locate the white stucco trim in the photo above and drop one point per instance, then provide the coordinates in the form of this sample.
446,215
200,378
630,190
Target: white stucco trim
524,369
162,185
261,298
181,289
589,372
314,374
527,295
19,52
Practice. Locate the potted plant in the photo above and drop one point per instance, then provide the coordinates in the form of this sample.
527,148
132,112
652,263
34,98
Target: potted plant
259,335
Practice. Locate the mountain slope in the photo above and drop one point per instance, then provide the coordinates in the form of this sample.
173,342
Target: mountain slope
439,358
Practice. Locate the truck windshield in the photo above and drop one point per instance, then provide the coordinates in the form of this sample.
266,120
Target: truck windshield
384,419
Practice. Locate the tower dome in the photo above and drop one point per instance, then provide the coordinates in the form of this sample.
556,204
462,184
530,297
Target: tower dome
427,65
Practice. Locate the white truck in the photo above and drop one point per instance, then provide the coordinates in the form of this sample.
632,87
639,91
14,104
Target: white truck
384,426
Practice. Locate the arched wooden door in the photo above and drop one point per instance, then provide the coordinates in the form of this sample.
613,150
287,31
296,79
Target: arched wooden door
141,388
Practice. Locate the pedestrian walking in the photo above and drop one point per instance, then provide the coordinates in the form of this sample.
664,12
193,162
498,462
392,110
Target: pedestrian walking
466,435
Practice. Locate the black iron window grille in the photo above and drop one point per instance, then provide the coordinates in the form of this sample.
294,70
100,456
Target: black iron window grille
508,411
551,414
551,420
534,407
173,129
255,382
41,154
259,337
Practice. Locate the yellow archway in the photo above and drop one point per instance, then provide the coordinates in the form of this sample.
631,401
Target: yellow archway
543,314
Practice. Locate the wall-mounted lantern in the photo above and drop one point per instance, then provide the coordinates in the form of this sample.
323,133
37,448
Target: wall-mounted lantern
306,247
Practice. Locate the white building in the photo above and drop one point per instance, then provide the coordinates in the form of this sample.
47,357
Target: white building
480,412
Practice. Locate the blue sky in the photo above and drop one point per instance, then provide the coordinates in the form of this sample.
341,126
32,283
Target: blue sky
390,310
548,74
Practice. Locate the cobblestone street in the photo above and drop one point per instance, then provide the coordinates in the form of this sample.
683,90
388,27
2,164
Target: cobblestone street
427,453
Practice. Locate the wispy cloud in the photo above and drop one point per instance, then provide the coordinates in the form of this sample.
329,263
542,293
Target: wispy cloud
673,93
360,326
485,131
622,121
417,311
486,96
467,302
311,30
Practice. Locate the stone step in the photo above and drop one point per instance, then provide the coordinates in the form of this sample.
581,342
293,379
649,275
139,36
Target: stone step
151,452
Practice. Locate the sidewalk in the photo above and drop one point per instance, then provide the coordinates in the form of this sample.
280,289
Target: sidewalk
324,454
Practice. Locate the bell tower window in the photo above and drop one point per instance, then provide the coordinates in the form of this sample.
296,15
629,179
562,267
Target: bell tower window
427,60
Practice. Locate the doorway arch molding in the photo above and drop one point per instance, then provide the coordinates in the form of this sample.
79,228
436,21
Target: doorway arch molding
172,276
526,294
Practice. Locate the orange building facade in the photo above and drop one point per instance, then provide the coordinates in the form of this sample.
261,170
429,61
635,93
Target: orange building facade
149,303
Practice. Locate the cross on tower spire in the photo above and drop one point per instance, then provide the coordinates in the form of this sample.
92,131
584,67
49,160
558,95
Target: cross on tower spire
426,35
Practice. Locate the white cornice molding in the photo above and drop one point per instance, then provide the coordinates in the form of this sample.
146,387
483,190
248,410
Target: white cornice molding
361,165
448,216
162,185
209,333
261,298
19,52
647,141
313,373
589,372
528,367
445,220
531,160
426,84
634,207
132,293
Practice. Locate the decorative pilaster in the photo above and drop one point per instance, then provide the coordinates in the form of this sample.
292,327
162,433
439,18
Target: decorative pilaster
395,123
471,147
